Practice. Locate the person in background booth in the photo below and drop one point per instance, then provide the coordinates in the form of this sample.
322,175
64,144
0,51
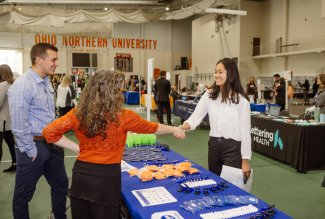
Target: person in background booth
199,89
315,86
280,92
65,94
319,99
101,124
175,95
6,80
228,108
290,93
82,77
251,89
305,86
31,103
162,89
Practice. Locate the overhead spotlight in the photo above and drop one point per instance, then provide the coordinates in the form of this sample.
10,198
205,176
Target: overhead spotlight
19,8
167,8
105,9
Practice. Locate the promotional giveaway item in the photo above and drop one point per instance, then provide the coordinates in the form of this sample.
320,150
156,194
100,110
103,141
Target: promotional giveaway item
136,154
230,213
154,196
166,215
196,205
141,139
159,171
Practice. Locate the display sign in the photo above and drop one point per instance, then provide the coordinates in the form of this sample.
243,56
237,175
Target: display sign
95,42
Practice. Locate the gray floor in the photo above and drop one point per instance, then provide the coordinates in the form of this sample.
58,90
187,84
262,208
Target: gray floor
298,195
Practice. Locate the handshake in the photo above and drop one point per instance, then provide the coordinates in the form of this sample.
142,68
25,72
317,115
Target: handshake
179,132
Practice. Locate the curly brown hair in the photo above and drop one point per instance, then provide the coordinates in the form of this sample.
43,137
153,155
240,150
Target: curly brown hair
100,103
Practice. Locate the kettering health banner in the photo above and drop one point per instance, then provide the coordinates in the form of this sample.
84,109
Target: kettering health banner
269,137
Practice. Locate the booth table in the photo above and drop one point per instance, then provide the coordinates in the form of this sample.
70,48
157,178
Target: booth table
137,211
184,109
302,147
153,103
131,97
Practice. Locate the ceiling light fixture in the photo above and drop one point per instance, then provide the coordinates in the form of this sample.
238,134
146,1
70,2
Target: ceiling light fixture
225,11
167,8
105,9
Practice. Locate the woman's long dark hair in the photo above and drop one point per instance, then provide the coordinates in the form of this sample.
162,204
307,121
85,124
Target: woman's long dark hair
232,87
100,103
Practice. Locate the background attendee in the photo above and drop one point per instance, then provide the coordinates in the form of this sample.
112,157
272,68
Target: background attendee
6,79
229,115
199,89
175,95
280,92
101,124
319,99
65,95
183,91
31,103
82,76
290,93
251,89
162,88
305,86
276,79
315,86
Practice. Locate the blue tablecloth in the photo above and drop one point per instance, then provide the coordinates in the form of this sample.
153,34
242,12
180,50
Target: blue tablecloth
184,109
137,211
261,107
131,97
258,107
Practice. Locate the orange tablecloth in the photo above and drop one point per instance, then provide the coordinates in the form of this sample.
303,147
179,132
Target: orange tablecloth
153,103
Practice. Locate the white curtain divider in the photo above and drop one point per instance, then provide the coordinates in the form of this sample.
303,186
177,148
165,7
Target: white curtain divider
57,17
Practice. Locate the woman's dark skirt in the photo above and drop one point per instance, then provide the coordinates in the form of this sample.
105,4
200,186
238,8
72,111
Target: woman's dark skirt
95,190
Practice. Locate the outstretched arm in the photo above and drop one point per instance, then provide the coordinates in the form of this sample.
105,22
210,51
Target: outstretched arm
176,131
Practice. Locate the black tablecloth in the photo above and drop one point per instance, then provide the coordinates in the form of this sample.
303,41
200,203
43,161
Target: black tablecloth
302,147
184,109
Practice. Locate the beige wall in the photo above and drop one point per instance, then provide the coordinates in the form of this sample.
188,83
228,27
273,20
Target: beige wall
296,21
174,41
209,45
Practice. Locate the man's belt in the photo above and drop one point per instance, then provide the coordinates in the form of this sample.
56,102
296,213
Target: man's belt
38,138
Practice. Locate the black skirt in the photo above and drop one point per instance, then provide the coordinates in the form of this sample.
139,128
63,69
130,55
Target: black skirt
97,183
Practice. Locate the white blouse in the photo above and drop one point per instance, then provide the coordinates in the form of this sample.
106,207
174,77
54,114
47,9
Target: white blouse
227,120
62,95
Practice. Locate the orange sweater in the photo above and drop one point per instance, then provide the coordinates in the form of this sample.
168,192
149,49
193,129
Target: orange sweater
97,150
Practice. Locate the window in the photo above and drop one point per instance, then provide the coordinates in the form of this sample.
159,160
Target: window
13,58
84,59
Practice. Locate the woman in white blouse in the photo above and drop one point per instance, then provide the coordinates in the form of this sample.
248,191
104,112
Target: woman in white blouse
228,108
65,94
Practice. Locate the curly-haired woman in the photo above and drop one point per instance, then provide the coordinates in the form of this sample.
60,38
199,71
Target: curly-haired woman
100,123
